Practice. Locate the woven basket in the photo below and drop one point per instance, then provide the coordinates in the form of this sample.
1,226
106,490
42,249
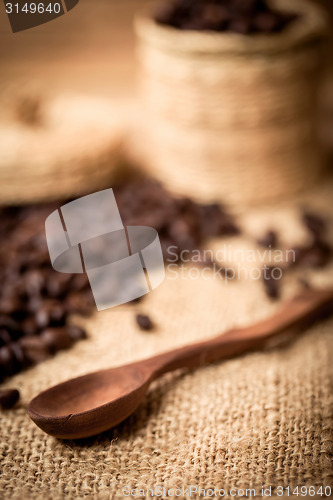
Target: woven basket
74,150
232,117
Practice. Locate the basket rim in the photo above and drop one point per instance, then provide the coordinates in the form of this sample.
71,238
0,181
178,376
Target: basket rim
312,25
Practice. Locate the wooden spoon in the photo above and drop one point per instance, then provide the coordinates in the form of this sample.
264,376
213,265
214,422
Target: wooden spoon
87,405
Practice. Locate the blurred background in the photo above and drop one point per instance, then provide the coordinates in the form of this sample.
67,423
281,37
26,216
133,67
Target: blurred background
72,120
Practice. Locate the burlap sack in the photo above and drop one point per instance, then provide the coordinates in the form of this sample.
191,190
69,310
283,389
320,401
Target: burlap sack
231,117
263,419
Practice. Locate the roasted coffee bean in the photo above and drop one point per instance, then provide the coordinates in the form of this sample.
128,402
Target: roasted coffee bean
29,326
7,361
214,16
8,398
317,255
5,338
57,283
35,349
9,324
9,305
20,361
315,223
241,25
304,283
268,240
56,339
79,282
79,303
144,322
271,284
266,22
34,281
50,313
76,332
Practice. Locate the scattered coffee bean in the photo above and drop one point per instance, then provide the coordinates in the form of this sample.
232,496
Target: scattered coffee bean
270,283
34,348
317,255
304,283
76,332
268,240
144,322
8,398
57,339
314,223
7,361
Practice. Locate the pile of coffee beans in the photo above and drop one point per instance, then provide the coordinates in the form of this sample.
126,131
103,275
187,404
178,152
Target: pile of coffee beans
180,222
238,16
36,302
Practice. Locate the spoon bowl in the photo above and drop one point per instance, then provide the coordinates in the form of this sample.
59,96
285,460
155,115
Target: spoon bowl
90,404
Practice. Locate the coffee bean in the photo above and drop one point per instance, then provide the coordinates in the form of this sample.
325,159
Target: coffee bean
144,322
241,25
76,332
9,324
7,361
8,398
315,223
79,282
317,255
271,285
34,282
265,22
8,305
29,326
19,358
58,283
77,303
56,339
50,313
5,338
268,240
34,348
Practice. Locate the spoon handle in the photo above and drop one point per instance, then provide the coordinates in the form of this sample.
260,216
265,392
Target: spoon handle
299,313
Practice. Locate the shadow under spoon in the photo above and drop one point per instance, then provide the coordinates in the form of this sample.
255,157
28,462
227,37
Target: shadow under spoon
90,404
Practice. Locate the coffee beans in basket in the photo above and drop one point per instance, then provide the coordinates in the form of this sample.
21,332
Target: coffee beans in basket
238,16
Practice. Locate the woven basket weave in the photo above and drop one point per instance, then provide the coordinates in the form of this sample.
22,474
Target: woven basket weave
74,150
232,117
